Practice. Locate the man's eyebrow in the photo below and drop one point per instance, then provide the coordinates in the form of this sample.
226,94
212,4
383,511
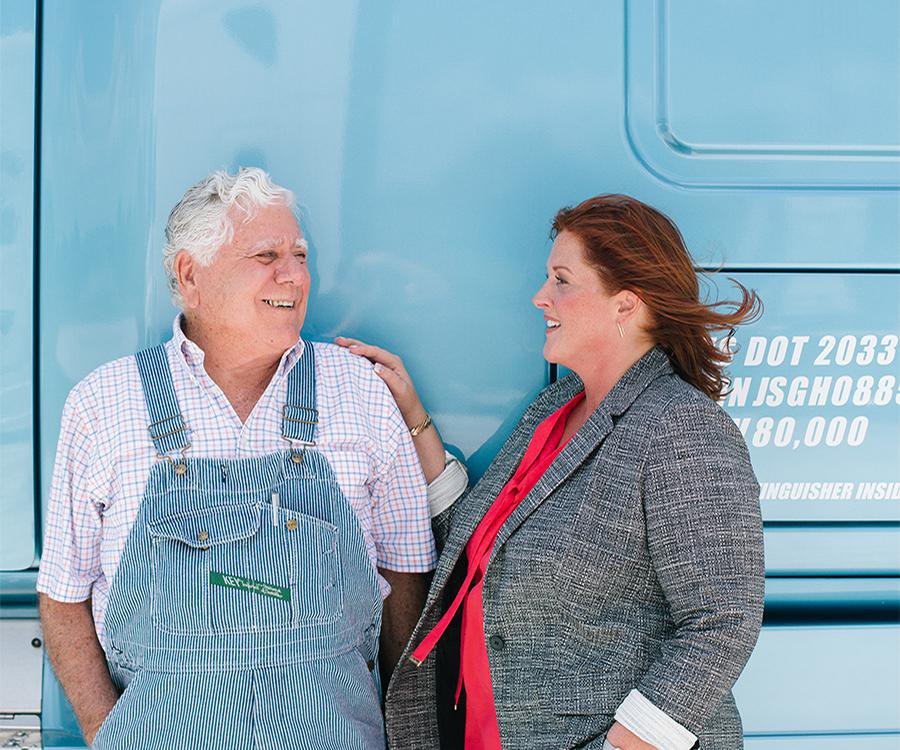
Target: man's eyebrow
271,243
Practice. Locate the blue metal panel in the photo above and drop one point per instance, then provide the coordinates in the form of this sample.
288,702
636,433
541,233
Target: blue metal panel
95,205
846,549
815,390
17,90
766,93
784,113
784,77
431,145
822,680
373,118
60,729
791,598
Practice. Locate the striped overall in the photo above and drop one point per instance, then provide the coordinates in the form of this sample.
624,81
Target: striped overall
245,611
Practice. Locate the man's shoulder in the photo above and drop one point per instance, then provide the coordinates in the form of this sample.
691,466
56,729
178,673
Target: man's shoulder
110,374
352,384
337,362
106,387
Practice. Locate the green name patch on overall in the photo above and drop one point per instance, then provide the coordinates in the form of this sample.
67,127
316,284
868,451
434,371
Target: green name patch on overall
248,584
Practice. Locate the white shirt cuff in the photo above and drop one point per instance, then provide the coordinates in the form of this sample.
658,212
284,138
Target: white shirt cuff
448,486
652,724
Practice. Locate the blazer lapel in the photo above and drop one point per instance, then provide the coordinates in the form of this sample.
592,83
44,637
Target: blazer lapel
589,438
472,507
583,442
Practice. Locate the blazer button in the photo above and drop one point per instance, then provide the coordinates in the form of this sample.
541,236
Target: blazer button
496,643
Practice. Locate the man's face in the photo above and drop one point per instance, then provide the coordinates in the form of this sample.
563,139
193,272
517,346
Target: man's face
255,291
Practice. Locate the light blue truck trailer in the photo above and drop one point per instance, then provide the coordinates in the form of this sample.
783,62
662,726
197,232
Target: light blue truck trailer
430,145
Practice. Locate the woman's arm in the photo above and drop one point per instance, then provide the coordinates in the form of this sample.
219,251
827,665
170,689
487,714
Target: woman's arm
390,369
704,534
446,476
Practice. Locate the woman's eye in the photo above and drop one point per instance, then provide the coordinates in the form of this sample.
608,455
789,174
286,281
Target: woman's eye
560,280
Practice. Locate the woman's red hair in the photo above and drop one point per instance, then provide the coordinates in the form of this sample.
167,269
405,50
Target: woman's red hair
636,247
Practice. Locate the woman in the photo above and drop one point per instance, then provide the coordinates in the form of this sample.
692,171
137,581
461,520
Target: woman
602,585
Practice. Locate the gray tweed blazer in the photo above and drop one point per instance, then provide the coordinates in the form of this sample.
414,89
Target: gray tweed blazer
635,562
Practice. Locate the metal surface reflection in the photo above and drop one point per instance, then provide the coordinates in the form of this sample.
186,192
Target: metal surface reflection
429,147
17,87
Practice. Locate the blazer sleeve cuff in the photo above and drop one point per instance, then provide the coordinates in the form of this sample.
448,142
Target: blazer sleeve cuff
637,714
448,486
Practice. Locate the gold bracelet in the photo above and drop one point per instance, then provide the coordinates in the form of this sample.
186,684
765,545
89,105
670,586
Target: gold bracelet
422,426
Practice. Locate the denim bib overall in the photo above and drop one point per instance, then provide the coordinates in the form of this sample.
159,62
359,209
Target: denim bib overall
245,611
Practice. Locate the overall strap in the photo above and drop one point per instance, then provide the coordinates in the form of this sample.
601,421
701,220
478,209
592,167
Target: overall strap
167,428
300,416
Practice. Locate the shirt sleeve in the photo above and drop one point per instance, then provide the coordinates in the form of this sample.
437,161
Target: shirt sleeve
448,486
70,559
401,521
652,725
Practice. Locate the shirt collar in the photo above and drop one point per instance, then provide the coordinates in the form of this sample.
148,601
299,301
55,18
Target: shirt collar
193,355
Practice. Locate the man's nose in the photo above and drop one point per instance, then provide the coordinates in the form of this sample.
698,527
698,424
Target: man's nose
290,270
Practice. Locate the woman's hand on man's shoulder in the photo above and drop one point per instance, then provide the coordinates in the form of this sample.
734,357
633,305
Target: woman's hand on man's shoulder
390,368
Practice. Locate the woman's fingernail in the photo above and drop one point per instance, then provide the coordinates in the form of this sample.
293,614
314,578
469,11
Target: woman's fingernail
378,367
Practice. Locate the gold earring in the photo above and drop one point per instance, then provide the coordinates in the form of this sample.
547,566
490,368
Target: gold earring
621,332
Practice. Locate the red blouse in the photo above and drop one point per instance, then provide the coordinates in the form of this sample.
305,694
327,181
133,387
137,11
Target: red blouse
482,731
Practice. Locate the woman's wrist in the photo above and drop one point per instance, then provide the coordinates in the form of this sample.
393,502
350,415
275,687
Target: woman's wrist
415,416
622,738
419,428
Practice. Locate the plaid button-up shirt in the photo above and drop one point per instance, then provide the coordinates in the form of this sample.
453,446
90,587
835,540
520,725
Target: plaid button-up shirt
105,455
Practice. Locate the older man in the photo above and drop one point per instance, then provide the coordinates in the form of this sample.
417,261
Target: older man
229,510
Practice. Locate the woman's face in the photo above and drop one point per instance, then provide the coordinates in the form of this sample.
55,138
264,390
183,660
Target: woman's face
579,314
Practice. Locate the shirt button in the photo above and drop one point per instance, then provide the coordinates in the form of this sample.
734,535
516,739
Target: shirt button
496,643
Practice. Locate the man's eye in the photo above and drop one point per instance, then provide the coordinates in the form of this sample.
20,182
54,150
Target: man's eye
267,255
301,255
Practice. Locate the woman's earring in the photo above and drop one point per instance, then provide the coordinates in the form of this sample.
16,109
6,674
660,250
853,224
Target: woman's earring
621,332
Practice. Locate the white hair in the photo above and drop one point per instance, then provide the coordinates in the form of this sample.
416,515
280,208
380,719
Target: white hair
200,223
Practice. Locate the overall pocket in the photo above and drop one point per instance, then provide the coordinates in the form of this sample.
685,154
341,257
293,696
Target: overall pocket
101,740
241,569
316,591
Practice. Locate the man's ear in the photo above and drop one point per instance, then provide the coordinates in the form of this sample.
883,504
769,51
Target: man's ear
185,268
